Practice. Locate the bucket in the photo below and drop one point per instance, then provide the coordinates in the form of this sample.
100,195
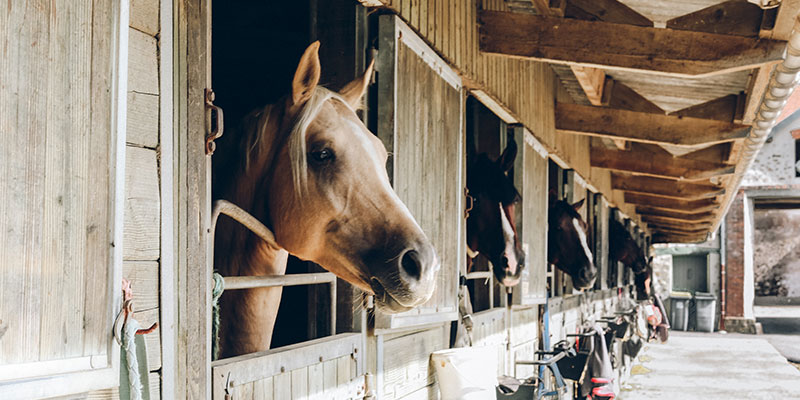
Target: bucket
468,373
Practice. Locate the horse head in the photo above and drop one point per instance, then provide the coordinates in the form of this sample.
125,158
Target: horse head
318,177
642,280
491,229
624,249
567,246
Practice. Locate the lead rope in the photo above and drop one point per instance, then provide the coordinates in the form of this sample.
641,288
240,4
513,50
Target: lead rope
132,364
216,293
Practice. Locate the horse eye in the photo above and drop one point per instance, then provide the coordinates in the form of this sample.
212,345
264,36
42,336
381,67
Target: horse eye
323,155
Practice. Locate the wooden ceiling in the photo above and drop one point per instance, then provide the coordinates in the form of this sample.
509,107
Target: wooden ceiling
667,89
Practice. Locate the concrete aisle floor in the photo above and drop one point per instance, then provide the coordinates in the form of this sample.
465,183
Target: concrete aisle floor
711,366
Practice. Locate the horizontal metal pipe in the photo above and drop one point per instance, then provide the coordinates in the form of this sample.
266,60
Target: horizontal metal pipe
251,282
479,275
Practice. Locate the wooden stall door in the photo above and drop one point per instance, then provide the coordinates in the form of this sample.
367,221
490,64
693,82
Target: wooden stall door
530,178
62,118
420,108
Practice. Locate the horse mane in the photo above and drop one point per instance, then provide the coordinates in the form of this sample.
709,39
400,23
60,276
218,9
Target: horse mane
255,130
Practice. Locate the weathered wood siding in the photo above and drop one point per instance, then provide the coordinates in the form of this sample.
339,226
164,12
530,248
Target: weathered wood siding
534,224
422,128
323,369
526,89
55,118
404,370
142,235
490,330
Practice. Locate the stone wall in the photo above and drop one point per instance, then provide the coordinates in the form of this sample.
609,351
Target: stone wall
775,164
777,253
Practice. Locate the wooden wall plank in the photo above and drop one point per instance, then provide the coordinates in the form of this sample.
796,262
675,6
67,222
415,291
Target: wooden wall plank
283,386
316,383
300,383
65,191
155,385
263,389
54,218
142,205
143,65
144,16
143,120
144,278
329,375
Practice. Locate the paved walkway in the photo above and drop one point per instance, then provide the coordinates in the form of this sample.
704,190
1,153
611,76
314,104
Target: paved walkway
711,366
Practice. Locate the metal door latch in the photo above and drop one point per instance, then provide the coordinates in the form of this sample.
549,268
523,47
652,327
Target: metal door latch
217,122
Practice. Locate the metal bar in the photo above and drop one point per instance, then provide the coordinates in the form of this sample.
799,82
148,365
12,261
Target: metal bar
250,282
241,216
484,275
479,275
333,305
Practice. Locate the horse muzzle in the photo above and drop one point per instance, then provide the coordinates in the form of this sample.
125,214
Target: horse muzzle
407,281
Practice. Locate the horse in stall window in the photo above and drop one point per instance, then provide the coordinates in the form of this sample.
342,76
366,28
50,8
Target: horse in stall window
567,246
622,248
491,227
310,170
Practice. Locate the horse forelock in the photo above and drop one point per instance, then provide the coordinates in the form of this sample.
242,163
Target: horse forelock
295,139
297,136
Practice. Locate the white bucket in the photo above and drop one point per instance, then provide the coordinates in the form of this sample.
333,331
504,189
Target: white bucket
468,373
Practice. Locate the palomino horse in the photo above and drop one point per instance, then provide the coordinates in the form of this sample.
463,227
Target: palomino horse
311,171
491,229
567,246
622,248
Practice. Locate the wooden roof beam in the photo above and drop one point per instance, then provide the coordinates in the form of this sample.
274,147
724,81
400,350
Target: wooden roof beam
678,226
684,215
671,204
679,218
644,127
678,238
734,17
676,223
656,164
664,187
605,10
727,108
628,47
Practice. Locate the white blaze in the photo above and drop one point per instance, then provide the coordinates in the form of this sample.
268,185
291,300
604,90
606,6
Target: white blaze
508,235
582,236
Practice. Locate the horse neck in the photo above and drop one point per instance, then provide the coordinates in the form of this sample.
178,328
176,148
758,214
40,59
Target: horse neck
244,253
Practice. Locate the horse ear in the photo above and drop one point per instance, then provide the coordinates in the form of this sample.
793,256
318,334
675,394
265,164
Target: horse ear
506,160
306,77
354,91
577,206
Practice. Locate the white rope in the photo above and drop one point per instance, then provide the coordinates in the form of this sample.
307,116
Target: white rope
129,345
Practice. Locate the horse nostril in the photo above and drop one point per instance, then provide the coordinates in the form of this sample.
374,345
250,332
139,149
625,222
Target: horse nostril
411,264
504,261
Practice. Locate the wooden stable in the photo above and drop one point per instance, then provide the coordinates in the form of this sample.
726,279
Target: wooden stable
106,106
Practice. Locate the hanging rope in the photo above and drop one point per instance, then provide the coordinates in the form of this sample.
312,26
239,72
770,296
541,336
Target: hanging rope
219,287
129,344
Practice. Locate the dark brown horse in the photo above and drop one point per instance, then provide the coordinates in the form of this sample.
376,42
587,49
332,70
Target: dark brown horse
491,230
311,171
567,245
622,248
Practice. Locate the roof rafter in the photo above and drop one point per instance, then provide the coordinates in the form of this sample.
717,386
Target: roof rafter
609,45
644,127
